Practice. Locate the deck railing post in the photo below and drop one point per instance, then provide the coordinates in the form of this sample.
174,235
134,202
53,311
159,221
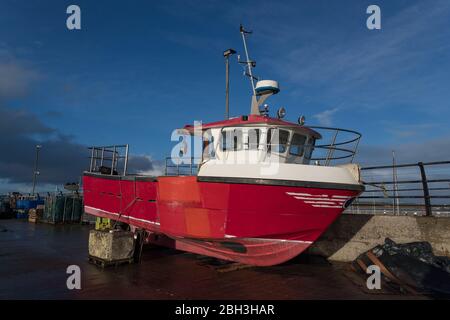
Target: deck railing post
113,160
331,149
426,192
126,160
165,169
95,158
354,150
92,159
103,153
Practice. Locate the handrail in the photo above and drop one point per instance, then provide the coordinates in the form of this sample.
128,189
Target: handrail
406,165
432,188
98,153
332,147
191,166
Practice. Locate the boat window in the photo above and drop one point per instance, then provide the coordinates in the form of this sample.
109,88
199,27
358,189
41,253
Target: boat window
231,140
208,145
253,136
309,148
297,144
278,140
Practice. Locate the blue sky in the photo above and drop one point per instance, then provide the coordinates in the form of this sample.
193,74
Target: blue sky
139,69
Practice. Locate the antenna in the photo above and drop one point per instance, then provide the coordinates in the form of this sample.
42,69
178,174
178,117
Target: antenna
250,64
264,88
227,54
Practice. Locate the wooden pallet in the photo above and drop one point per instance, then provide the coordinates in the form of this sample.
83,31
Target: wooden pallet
108,263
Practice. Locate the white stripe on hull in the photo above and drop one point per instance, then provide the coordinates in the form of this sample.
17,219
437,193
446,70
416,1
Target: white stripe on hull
320,200
119,215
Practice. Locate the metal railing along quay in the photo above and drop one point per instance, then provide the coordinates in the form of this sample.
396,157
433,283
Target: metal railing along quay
421,188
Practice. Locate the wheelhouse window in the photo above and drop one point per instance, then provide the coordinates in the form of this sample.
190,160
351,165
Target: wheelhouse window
231,140
208,145
309,148
253,139
297,145
278,140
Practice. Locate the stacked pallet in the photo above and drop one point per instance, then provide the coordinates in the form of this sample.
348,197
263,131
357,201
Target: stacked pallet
32,216
36,214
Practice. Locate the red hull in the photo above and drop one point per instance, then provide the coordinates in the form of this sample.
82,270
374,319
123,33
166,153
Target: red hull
250,223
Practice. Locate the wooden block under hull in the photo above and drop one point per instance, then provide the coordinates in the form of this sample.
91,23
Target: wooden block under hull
111,246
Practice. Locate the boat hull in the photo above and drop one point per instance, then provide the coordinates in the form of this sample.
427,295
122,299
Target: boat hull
251,223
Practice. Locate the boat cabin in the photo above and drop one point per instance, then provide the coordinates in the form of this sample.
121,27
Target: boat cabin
255,139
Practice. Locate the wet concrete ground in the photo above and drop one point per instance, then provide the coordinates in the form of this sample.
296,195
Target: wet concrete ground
34,259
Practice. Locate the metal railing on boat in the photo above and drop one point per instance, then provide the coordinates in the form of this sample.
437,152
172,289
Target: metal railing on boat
337,149
179,168
111,160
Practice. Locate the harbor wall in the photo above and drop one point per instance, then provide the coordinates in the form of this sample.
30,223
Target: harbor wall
352,234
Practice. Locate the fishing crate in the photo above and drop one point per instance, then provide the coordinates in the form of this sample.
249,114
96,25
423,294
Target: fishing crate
21,214
63,209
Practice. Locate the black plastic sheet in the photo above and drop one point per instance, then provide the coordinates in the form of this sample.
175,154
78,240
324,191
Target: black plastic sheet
415,264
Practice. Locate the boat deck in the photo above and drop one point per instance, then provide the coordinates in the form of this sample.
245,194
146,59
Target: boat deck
34,258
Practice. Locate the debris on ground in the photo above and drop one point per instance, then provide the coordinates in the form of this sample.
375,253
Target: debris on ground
410,267
220,265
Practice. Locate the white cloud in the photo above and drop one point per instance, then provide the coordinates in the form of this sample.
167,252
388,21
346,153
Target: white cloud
15,79
7,186
409,130
144,164
15,76
325,118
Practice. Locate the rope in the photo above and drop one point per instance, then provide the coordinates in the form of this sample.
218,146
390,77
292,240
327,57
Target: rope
121,198
382,187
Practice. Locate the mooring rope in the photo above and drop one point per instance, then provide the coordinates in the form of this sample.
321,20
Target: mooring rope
121,197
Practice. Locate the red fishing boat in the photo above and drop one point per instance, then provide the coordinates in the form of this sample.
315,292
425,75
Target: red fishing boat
257,195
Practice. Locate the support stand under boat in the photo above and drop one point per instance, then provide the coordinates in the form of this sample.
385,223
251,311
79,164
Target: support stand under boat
116,246
140,236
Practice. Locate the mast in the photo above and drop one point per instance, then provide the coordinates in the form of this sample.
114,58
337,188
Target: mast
250,64
262,89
